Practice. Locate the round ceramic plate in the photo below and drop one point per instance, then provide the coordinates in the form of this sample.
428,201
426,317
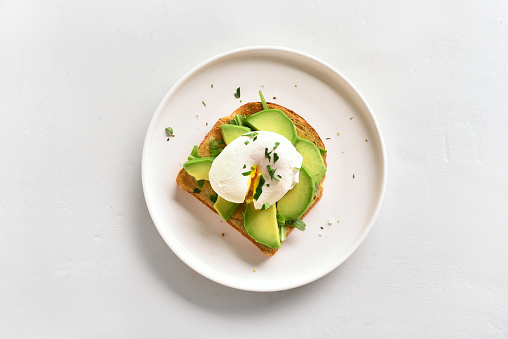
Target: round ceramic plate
353,187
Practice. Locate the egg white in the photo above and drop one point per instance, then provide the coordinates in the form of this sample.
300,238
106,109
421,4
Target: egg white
241,154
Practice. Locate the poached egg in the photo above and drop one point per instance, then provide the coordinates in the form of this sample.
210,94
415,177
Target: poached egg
262,166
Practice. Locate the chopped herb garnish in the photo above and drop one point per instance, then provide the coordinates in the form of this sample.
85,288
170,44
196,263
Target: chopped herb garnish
239,119
246,173
246,142
271,172
169,131
267,154
244,165
281,221
221,142
201,183
237,94
265,206
255,138
296,168
194,153
276,145
279,175
322,150
267,185
282,232
297,223
215,149
197,190
250,134
253,168
275,157
213,198
204,103
259,188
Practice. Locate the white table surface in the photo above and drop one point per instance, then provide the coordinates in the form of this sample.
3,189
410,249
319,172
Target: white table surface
79,254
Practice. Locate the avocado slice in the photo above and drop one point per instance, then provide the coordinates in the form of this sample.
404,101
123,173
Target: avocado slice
231,132
224,207
199,167
312,159
262,225
273,120
294,204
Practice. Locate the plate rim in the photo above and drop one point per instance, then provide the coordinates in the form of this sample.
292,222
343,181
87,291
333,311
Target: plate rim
267,49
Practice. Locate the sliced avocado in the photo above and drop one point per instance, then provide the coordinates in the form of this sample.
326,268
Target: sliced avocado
231,132
273,120
199,167
312,159
262,225
294,204
225,208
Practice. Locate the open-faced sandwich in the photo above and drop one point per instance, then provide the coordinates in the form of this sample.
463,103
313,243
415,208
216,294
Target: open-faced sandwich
261,169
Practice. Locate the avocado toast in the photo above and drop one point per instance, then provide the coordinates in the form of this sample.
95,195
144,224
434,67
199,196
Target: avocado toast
265,227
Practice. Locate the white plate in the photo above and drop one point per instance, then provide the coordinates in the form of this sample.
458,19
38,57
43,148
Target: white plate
330,103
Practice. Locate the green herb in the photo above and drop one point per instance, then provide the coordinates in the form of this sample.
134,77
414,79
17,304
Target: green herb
259,188
194,153
282,232
322,150
213,198
197,190
254,138
271,172
246,173
246,142
232,122
204,103
215,149
244,165
267,154
279,176
238,120
296,168
265,206
201,183
221,142
250,134
267,185
276,145
297,223
169,132
263,102
275,157
237,94
281,221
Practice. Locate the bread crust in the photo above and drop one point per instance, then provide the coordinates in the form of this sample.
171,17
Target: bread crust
188,183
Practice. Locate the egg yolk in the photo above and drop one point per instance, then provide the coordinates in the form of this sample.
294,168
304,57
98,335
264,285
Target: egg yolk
255,176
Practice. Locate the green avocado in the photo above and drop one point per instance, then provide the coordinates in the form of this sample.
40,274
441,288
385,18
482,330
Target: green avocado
312,159
199,167
262,225
273,120
294,204
225,208
231,132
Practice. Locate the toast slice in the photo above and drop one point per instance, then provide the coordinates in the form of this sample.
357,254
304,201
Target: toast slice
186,182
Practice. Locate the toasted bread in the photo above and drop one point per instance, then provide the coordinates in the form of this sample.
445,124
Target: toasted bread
188,183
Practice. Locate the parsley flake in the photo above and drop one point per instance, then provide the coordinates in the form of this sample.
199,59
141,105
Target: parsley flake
197,190
271,172
213,198
276,145
267,154
265,206
201,183
275,157
237,94
246,142
169,131
246,173
259,188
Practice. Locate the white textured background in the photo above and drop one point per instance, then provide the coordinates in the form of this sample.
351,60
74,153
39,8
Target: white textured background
79,254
